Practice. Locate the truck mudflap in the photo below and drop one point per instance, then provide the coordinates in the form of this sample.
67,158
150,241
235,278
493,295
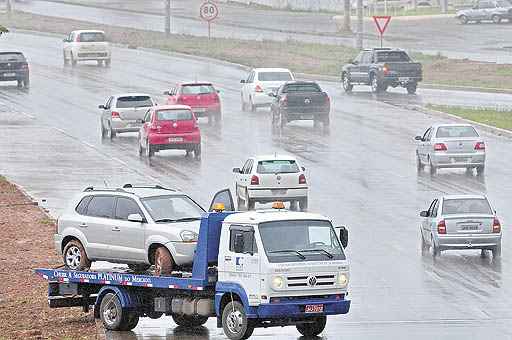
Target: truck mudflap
300,308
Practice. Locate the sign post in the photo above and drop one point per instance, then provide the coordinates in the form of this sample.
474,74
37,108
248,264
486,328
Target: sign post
381,21
208,12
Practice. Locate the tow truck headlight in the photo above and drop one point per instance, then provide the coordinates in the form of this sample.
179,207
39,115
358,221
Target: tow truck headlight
342,280
277,282
188,236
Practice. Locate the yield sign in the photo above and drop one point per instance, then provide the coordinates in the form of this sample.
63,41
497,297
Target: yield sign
382,23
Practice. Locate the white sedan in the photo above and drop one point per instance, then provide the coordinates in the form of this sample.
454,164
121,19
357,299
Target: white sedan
265,179
86,45
259,83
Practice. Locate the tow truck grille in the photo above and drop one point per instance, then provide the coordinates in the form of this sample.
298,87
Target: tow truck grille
311,281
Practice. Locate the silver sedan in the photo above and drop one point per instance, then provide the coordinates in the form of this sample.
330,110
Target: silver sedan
460,222
451,146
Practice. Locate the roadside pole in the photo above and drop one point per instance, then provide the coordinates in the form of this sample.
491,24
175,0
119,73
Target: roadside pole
359,34
168,17
8,7
346,16
444,6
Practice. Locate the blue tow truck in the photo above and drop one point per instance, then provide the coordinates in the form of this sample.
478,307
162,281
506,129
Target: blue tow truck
251,269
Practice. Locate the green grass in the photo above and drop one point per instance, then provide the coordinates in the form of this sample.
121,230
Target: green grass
493,117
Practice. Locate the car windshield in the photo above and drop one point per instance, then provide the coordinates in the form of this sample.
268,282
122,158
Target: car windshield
197,89
504,3
133,101
300,240
4,57
456,132
277,166
301,88
466,206
274,76
92,37
172,208
174,114
392,56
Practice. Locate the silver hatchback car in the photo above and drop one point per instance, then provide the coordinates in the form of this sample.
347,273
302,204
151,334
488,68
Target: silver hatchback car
451,146
138,226
460,222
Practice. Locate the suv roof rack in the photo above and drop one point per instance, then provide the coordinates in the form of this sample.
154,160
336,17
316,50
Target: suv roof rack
156,186
102,189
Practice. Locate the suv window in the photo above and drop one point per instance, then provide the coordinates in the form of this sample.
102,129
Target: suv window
82,206
101,206
125,207
12,56
367,58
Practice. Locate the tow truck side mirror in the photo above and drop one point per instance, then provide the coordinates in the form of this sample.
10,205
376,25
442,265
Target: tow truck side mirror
239,243
418,138
101,107
167,93
343,236
236,170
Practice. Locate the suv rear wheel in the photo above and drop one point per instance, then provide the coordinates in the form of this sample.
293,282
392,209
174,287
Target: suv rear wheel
347,85
463,19
75,257
163,262
374,83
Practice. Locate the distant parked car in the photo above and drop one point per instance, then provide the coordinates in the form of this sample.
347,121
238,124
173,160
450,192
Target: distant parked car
86,45
202,97
451,146
494,10
259,83
124,113
265,179
170,127
14,67
460,222
138,226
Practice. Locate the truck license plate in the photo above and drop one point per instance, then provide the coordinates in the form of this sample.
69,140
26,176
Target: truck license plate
175,139
314,309
9,74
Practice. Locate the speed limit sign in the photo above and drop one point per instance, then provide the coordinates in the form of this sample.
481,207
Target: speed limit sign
208,11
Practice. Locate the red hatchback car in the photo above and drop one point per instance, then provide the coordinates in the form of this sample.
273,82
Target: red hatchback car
169,127
203,98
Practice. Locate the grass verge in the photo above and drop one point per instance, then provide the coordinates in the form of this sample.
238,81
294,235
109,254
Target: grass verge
312,58
498,118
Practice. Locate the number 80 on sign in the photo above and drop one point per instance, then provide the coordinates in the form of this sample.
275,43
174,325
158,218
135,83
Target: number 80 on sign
208,11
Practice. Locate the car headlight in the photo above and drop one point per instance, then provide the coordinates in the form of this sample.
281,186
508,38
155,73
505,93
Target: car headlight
342,280
188,236
277,282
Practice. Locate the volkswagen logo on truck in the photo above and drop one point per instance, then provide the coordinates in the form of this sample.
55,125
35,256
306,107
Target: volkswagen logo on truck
312,281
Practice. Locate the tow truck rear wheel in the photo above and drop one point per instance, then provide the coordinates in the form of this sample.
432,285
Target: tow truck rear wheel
314,328
163,262
189,320
235,324
114,317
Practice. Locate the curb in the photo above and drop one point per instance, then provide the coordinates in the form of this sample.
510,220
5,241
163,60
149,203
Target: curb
465,88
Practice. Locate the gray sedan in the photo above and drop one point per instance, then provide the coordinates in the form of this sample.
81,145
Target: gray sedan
451,146
493,10
460,222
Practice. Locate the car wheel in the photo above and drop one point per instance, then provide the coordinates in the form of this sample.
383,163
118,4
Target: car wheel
480,170
411,88
107,62
347,85
314,328
141,149
189,321
433,169
163,262
435,249
26,82
463,19
327,120
197,151
149,150
294,205
496,19
75,257
110,132
244,106
252,106
303,204
20,83
102,128
139,267
496,250
66,61
419,164
114,317
424,245
235,323
374,83
73,60
282,120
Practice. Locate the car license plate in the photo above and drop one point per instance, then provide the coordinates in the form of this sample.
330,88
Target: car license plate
403,79
278,192
200,109
314,309
470,227
9,74
175,139
459,160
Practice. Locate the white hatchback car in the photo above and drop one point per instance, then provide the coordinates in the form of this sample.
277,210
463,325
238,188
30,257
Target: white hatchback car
265,179
259,83
86,45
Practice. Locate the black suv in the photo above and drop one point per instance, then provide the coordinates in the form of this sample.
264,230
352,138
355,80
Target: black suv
14,67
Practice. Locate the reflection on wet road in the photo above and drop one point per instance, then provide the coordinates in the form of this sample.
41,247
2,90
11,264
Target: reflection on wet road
362,173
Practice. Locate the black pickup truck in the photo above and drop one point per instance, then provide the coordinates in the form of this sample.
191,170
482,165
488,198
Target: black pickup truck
381,68
300,100
14,67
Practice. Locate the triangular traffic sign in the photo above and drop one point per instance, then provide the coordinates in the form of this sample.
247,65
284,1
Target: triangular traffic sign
381,21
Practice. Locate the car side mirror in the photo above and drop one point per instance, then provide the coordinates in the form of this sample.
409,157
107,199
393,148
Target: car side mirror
303,168
418,138
239,243
167,93
218,91
135,218
424,213
343,236
140,121
237,170
242,81
101,107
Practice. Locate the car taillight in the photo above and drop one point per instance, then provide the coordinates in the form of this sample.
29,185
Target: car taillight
496,226
115,114
302,179
284,100
255,180
440,147
77,38
441,227
258,88
480,146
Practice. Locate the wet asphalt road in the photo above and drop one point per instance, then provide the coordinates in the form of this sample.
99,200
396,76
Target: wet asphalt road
362,173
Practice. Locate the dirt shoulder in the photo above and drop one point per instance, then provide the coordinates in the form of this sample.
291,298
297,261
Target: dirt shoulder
27,243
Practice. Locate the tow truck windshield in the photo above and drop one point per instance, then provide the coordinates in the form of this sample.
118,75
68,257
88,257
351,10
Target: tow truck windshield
300,240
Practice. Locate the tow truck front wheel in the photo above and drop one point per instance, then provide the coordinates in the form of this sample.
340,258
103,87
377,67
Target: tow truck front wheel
114,317
312,328
235,323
